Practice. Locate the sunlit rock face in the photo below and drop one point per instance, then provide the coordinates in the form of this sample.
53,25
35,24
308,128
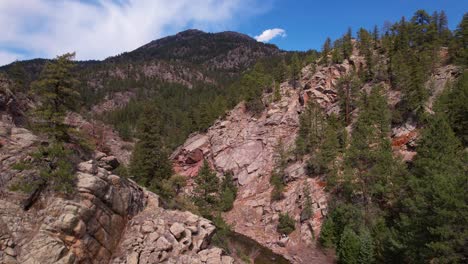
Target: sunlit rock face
246,145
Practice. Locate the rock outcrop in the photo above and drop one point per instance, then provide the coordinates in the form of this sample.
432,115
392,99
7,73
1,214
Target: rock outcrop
107,218
245,145
103,136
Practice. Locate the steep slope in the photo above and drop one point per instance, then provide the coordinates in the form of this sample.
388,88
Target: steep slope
187,58
105,219
246,145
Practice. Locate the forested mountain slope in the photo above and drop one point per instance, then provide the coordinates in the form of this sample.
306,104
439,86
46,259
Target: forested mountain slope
351,154
355,154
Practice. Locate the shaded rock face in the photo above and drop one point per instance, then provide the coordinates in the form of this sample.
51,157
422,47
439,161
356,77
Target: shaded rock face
11,107
112,102
104,136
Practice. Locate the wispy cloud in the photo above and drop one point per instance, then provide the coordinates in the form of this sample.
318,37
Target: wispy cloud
101,28
270,34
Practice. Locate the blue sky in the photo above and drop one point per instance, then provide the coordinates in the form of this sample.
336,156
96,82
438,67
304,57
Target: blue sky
96,29
308,23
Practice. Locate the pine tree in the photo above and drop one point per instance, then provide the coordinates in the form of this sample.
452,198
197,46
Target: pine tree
295,70
366,250
374,172
347,89
326,48
57,94
327,233
375,35
206,192
365,48
278,177
337,52
349,247
453,103
228,192
286,224
311,128
150,164
348,44
458,46
307,207
442,29
276,92
331,145
436,208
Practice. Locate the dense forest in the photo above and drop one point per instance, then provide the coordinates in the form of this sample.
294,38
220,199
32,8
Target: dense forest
384,210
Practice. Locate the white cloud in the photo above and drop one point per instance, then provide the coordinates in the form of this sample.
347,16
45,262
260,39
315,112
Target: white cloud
269,34
95,30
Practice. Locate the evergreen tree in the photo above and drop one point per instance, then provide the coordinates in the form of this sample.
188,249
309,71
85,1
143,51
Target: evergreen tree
57,94
458,46
307,207
286,224
442,28
348,44
311,129
206,192
330,146
348,251
150,164
295,69
278,177
366,250
18,76
370,154
327,233
276,92
347,89
453,103
432,225
228,192
375,35
365,49
326,48
337,52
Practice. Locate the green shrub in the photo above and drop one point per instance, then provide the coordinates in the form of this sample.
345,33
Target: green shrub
228,193
20,166
278,187
286,224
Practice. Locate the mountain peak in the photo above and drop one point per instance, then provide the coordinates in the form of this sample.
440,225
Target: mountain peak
190,32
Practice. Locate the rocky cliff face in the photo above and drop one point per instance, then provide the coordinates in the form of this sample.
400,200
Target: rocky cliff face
107,218
245,144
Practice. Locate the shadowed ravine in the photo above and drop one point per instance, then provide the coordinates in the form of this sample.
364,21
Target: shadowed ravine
246,248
